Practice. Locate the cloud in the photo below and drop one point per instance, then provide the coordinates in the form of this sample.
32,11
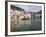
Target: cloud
30,8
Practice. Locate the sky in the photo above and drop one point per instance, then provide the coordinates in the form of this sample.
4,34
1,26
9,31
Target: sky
31,8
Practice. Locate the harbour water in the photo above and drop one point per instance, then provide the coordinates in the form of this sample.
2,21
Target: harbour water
26,25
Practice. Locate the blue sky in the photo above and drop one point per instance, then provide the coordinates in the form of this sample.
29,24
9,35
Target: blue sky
31,8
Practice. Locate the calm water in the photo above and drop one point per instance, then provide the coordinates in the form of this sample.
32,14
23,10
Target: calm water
26,25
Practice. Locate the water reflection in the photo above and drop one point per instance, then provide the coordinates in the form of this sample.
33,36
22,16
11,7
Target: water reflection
26,25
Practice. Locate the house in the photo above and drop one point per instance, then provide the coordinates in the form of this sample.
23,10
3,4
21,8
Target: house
20,13
38,14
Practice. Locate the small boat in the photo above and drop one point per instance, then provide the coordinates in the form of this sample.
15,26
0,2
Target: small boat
25,18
